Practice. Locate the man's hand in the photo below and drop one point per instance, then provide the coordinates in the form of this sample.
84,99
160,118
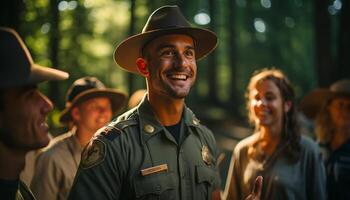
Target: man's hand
255,195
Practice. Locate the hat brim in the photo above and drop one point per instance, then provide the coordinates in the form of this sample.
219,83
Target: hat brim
116,97
312,102
40,74
129,50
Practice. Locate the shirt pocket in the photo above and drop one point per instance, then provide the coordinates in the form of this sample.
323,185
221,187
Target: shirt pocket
205,179
155,186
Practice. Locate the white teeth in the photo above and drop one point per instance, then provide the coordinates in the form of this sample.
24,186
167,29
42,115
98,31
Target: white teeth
178,76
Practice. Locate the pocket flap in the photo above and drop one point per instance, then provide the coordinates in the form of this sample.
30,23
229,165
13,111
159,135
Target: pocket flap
154,184
204,174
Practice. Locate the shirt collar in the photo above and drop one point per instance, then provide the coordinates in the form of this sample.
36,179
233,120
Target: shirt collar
149,124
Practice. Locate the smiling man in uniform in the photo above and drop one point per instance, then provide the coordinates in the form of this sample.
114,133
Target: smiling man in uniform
158,150
23,111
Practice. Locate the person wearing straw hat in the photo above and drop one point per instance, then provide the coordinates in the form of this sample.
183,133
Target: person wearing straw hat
89,106
330,107
23,111
159,149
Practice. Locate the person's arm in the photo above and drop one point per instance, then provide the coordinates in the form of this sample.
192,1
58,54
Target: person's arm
100,174
46,177
256,192
231,182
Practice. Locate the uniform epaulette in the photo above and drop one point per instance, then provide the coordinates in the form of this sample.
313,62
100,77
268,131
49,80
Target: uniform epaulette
108,132
115,128
124,123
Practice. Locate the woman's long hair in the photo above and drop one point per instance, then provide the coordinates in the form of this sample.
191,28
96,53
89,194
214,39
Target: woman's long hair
291,128
324,126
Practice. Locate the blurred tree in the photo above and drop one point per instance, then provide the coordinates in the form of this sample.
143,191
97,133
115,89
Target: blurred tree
54,90
231,25
212,62
344,41
132,23
324,60
10,13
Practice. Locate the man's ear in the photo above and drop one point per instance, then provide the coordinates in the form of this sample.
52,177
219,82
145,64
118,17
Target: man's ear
142,67
287,106
75,114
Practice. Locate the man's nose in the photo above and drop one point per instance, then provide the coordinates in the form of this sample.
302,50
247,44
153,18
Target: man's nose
182,61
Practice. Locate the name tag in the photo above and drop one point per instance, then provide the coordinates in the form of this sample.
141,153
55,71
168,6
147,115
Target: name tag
155,169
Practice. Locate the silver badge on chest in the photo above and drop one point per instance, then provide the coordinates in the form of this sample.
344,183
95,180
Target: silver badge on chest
206,155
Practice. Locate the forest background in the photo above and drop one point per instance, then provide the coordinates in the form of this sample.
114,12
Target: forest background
308,39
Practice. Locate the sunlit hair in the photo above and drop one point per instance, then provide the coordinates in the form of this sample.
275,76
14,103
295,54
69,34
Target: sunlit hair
291,127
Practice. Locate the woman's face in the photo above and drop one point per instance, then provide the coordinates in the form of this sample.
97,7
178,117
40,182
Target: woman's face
339,110
267,105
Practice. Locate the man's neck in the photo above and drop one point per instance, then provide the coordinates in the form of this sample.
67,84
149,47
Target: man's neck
11,162
83,136
167,110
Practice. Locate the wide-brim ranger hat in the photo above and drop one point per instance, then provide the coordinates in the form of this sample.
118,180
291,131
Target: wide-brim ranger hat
17,66
312,102
165,20
87,88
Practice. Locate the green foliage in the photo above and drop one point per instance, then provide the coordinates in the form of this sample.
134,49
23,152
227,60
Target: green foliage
90,32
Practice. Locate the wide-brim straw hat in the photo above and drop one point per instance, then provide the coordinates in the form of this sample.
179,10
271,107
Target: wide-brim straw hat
312,102
87,88
17,66
165,20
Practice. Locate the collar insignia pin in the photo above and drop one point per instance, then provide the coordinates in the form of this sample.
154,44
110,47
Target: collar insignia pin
206,155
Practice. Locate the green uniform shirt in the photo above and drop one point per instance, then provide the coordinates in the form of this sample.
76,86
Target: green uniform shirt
117,164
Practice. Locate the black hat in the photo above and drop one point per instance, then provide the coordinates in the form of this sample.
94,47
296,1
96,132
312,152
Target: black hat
86,88
17,66
165,20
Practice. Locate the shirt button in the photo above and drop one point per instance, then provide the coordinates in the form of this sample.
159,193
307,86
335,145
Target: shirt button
148,128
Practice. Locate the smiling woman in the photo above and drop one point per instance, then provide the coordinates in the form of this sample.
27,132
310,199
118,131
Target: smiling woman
289,163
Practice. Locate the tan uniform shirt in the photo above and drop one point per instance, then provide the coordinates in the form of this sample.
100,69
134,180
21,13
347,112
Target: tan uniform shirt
56,167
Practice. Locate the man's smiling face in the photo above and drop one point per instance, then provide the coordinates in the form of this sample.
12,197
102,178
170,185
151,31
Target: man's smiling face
172,65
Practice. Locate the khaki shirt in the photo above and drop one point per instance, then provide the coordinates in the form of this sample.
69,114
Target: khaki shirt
56,167
135,157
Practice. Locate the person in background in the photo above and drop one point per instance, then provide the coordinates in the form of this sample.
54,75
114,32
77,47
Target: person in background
23,111
290,164
159,149
330,107
89,106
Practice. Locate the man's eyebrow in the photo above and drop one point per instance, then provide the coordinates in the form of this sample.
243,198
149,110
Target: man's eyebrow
164,46
191,47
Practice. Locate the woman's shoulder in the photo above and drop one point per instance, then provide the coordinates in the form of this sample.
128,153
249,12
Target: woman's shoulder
245,143
309,145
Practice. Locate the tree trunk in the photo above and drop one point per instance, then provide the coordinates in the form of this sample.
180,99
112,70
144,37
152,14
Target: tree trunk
230,20
344,41
131,81
10,13
324,64
54,39
212,68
